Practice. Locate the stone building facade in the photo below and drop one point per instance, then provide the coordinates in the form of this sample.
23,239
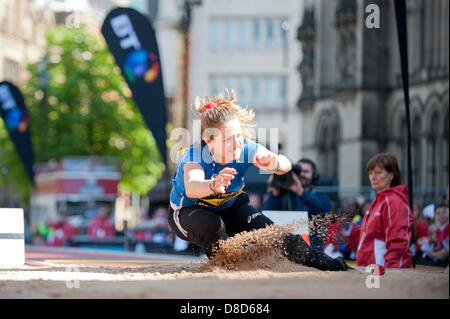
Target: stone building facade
352,101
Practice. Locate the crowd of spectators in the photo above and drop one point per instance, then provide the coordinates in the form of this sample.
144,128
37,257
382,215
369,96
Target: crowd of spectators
151,228
337,227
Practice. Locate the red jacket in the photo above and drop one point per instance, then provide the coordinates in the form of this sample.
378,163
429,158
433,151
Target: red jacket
386,230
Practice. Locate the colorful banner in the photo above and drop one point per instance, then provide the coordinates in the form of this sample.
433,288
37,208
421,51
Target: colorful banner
15,115
131,40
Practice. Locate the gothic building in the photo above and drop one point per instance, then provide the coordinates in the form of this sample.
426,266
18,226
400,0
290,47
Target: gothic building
352,101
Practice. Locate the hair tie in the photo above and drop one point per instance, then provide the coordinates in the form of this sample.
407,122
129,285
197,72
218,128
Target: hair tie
210,105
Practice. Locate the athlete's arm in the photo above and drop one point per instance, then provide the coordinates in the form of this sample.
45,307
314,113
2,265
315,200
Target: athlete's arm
267,160
198,187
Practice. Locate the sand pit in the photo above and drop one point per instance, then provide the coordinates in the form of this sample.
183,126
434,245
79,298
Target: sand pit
285,280
258,270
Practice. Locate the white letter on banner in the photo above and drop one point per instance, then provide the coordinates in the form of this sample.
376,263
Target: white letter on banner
6,98
122,27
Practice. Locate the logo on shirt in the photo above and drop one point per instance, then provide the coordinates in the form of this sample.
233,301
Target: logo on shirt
218,199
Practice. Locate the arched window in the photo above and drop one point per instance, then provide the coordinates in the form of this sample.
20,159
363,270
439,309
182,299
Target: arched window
328,143
432,150
416,151
403,143
445,145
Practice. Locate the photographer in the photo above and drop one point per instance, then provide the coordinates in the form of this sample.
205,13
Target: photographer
295,191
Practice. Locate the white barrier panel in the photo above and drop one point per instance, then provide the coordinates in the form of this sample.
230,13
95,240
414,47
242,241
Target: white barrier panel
286,217
12,242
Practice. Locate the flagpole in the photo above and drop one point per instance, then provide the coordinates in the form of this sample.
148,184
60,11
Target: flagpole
400,14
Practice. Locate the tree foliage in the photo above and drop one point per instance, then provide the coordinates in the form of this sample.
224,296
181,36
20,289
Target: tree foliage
87,110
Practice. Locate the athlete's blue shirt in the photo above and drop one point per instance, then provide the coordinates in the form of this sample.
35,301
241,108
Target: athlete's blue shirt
202,155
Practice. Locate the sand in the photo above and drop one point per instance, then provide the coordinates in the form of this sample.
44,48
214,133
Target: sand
258,270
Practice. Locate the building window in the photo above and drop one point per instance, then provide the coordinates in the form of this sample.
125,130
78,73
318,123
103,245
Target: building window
269,34
214,86
253,90
445,158
229,34
216,34
283,91
433,149
328,145
256,91
416,151
248,33
243,29
256,33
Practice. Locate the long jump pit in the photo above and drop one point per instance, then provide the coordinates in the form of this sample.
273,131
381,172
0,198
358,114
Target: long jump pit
254,271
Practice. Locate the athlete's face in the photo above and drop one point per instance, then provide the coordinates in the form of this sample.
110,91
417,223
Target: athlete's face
228,141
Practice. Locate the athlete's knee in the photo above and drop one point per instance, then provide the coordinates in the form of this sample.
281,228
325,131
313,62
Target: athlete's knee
214,229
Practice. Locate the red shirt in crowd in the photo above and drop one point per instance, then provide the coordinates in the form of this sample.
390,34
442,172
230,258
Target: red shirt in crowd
63,231
421,231
442,236
101,229
350,235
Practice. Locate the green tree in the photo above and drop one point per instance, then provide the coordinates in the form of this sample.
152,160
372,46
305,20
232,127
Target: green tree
87,110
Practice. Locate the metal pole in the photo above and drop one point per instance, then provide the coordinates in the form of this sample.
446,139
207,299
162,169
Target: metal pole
400,14
43,85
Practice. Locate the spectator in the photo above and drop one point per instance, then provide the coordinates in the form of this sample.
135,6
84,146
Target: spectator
428,213
420,226
101,227
343,236
301,195
441,218
125,215
60,232
428,245
362,205
155,229
359,219
445,199
433,253
387,226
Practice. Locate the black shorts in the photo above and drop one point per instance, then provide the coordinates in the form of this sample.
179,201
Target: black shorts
204,227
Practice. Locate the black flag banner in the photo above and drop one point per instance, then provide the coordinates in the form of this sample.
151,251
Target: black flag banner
15,116
131,40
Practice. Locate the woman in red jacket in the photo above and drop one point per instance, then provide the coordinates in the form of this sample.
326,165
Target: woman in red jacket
387,225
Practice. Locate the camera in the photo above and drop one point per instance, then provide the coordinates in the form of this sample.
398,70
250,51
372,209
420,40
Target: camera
286,180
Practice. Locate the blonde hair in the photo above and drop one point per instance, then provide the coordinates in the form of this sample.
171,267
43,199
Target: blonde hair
215,111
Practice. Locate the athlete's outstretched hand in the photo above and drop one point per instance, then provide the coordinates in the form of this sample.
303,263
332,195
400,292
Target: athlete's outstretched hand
223,179
266,160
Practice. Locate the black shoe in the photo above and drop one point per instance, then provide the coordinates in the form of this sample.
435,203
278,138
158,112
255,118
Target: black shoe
341,265
298,251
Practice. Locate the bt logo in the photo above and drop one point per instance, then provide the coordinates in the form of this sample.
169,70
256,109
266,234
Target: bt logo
139,63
